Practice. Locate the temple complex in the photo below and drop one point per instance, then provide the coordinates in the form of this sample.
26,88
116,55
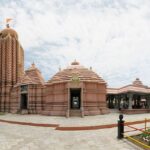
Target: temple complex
73,91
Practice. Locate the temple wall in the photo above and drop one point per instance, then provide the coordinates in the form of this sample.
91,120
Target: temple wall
56,99
94,99
35,99
15,100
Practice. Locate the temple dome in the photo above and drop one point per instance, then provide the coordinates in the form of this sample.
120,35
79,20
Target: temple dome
9,31
75,70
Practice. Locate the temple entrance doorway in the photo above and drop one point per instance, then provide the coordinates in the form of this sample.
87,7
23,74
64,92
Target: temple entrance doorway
75,98
24,101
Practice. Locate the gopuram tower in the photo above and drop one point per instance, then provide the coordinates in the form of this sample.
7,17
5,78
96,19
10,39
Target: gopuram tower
11,65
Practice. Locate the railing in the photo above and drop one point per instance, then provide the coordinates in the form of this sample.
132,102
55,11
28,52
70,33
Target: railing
132,129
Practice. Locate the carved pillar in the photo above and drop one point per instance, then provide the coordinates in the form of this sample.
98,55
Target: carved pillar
130,96
116,101
109,101
68,109
112,101
119,100
138,101
148,101
82,107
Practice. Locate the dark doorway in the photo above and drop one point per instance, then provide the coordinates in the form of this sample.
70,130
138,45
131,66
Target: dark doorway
24,101
75,98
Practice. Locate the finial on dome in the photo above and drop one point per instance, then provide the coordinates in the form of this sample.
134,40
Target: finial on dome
7,22
59,68
90,68
75,62
32,66
7,26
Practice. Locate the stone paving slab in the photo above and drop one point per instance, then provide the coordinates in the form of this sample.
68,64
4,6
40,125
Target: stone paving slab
17,137
20,137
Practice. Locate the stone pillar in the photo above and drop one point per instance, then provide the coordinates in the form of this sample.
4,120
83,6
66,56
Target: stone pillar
112,101
119,100
138,101
68,108
130,96
148,101
82,109
116,101
108,101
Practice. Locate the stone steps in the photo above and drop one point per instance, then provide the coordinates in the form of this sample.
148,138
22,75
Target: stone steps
75,113
24,111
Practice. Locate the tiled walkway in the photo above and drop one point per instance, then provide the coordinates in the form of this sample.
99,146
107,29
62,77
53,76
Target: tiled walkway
25,137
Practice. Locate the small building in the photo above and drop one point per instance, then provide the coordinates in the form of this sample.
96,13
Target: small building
73,90
133,98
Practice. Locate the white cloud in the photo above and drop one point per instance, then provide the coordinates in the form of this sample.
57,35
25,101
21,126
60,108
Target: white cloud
112,35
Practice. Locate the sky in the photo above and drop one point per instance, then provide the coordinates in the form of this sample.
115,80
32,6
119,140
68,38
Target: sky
111,36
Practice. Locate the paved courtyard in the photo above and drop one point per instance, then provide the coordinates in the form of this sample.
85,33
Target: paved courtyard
23,137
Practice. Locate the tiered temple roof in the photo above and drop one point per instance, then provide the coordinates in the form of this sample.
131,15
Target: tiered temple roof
32,76
136,86
77,71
